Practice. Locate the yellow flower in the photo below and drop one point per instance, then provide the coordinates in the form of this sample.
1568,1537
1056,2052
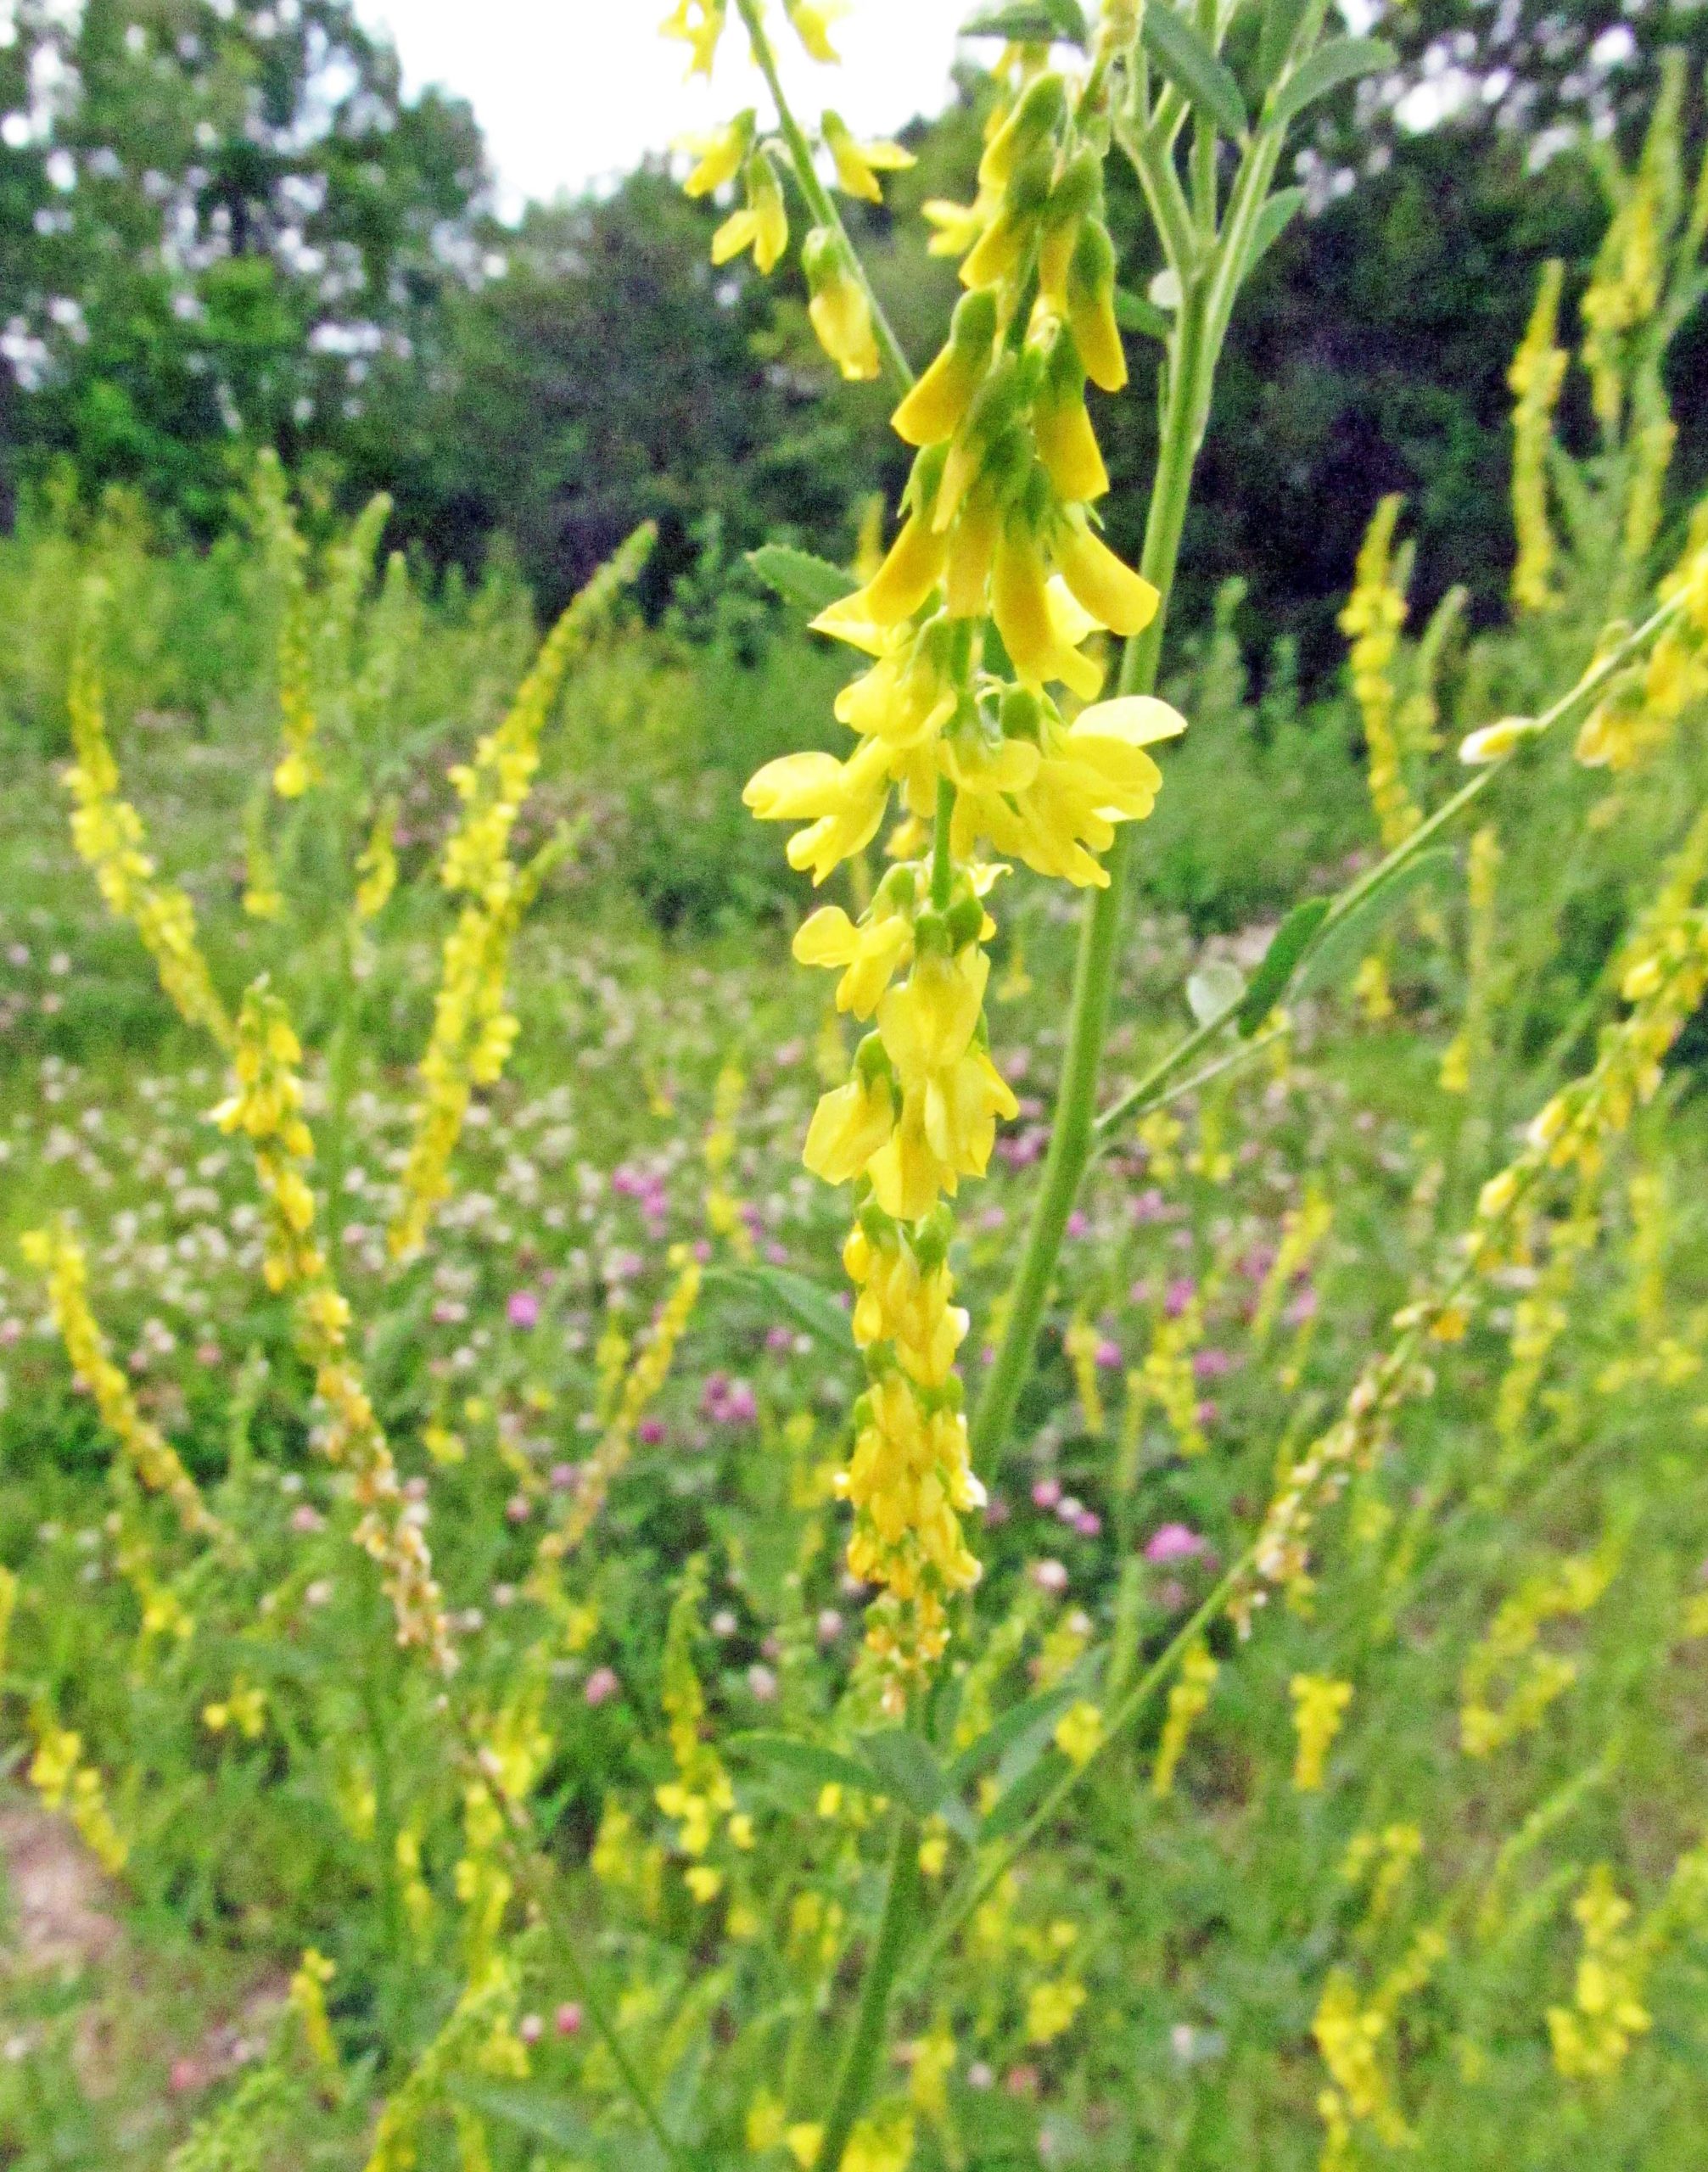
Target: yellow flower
1050,2009
933,410
843,803
698,24
719,157
1319,1707
762,224
812,20
859,164
873,952
1114,596
850,1123
838,305
1079,1733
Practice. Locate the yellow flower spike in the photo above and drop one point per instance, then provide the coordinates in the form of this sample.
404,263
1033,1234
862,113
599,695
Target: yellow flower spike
838,306
812,20
1091,309
859,164
720,156
933,410
698,24
1105,585
761,225
1319,1708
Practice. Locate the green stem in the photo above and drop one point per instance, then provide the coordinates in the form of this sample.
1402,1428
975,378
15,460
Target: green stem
865,2046
819,201
942,857
1185,409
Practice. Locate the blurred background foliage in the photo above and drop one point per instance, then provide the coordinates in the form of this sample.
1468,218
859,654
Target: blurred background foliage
224,225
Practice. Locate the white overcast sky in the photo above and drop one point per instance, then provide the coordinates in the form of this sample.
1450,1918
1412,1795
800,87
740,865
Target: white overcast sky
573,92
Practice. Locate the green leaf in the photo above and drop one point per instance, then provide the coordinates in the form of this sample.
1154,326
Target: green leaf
808,1302
1281,20
1132,313
1025,1790
1286,946
1342,60
1189,64
806,1760
1272,222
811,584
910,1772
549,2117
1214,990
1350,937
1031,22
1032,1714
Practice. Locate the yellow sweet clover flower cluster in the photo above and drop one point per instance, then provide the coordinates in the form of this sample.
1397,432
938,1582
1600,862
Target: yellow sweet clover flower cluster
265,1105
1507,1655
1536,376
1644,703
1387,1858
286,551
628,1405
243,1709
1000,491
473,1032
377,865
1375,612
63,1782
1079,1346
1304,1231
1539,1318
1350,2034
1167,1377
1189,1699
1629,276
1592,2037
1663,978
1319,1711
701,1797
306,1996
108,834
263,899
56,1253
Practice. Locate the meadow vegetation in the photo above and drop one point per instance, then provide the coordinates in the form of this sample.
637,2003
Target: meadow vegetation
545,1676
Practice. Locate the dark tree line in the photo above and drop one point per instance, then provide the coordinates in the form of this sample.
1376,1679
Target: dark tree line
221,225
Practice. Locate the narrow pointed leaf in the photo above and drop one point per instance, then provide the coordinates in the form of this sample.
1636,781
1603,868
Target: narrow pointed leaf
1041,1712
1342,60
807,1302
805,1760
1207,82
1272,222
1132,313
1287,946
1281,20
1350,938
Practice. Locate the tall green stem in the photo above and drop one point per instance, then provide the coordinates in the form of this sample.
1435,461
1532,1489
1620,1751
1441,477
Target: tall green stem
1185,410
865,2046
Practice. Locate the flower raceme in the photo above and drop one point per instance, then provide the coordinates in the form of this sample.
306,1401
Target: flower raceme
979,727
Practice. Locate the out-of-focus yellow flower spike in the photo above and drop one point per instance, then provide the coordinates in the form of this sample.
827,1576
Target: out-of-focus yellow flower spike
859,164
761,225
812,21
838,305
719,158
698,24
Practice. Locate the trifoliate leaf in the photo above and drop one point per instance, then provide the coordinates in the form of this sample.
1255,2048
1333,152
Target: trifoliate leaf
1350,936
1289,943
